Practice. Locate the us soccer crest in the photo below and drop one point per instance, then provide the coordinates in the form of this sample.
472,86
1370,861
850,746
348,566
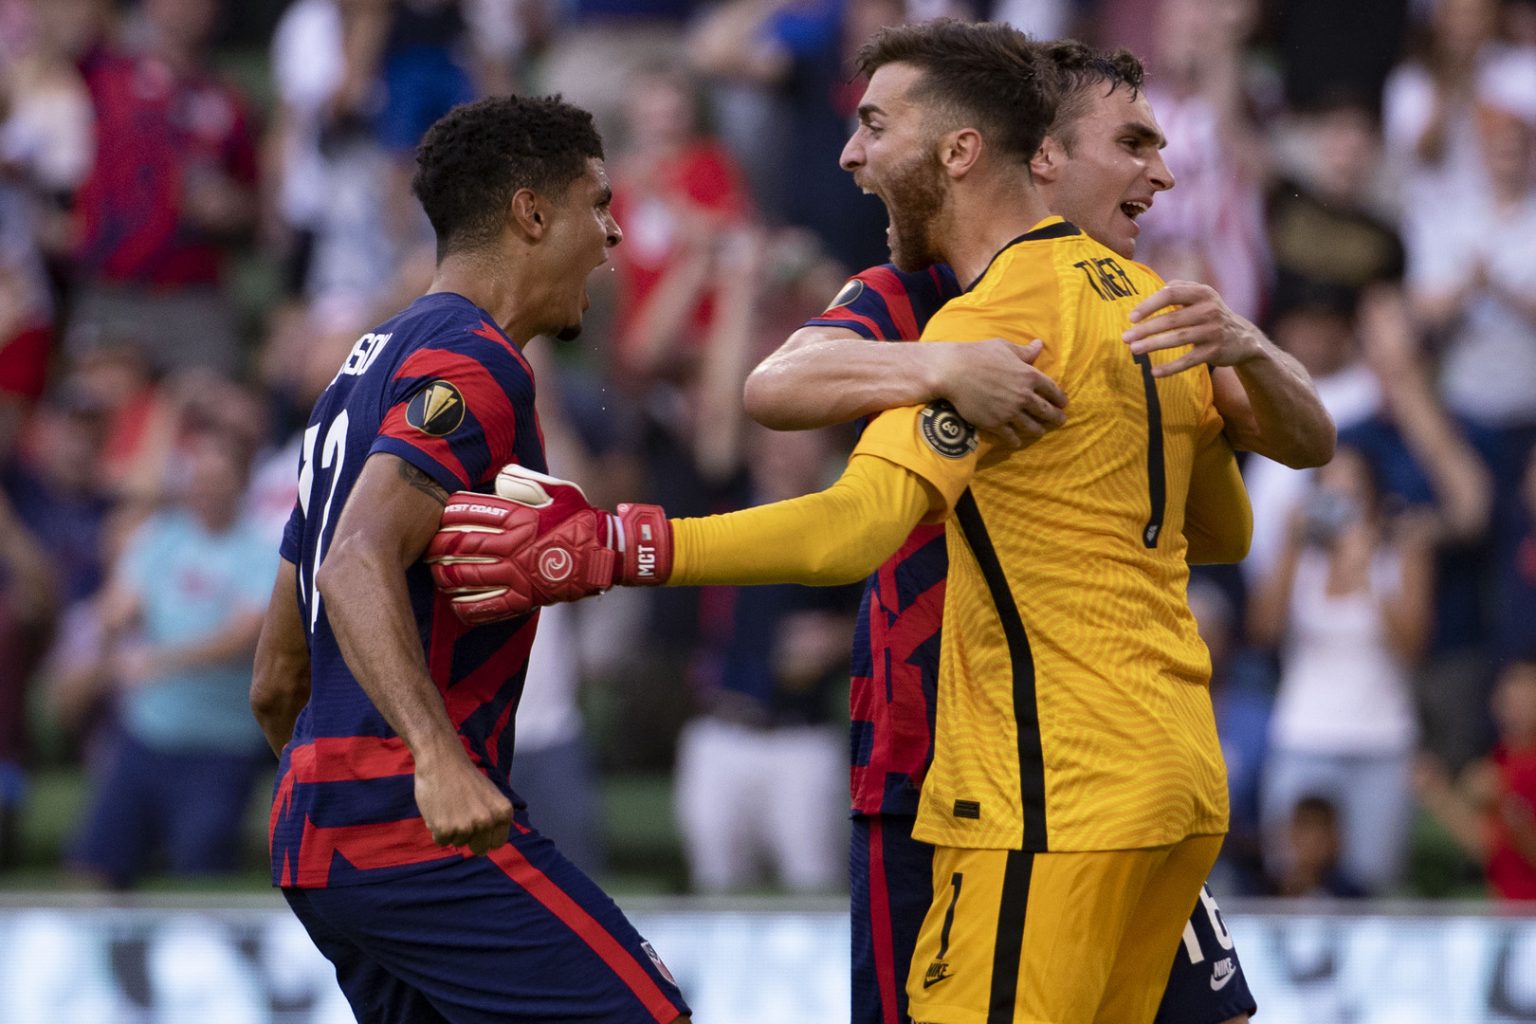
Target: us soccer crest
946,431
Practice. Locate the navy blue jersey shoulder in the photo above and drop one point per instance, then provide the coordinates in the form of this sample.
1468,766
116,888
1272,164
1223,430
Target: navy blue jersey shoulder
886,304
438,386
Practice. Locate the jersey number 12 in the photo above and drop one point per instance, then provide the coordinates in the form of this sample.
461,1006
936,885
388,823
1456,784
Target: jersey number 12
332,453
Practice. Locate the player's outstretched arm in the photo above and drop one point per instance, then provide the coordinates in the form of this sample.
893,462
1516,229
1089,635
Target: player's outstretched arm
501,556
1265,396
835,536
387,522
824,375
280,680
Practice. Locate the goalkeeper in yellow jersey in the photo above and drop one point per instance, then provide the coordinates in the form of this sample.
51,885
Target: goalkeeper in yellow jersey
1077,796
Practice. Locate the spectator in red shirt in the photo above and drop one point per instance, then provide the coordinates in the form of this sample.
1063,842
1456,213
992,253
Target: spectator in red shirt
1491,811
172,185
680,196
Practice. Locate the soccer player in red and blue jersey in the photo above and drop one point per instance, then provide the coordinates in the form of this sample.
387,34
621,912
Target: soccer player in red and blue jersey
396,835
1100,169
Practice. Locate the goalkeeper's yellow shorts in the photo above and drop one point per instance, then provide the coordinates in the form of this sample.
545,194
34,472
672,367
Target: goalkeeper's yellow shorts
1064,938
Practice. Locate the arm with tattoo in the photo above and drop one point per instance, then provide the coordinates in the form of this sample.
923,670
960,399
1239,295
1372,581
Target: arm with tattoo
417,480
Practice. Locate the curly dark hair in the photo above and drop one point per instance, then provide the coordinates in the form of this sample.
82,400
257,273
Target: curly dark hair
988,75
476,156
1078,69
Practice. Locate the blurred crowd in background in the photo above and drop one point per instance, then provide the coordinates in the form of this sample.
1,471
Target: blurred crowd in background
203,205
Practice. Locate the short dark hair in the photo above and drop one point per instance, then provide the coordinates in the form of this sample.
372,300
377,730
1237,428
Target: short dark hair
1079,68
472,161
986,72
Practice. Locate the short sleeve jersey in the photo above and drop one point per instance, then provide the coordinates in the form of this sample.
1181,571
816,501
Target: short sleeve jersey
1074,709
895,664
440,387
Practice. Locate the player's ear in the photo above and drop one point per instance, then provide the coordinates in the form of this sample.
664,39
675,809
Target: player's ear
959,151
1047,162
528,214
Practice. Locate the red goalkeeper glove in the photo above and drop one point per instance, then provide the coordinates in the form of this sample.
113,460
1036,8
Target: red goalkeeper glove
538,541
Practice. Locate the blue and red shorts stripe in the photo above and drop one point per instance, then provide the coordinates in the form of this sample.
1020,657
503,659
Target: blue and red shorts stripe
891,885
518,934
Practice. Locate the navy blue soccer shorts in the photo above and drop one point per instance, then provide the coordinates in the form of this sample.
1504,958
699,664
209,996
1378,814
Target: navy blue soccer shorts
1207,984
890,890
891,882
519,934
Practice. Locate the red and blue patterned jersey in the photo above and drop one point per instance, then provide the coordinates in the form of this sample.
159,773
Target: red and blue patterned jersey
896,642
161,131
441,387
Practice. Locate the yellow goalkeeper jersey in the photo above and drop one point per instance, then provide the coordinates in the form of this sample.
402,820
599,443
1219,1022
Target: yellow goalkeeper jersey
1074,709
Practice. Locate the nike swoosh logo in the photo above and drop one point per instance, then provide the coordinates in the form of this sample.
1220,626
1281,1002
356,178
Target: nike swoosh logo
930,982
1217,984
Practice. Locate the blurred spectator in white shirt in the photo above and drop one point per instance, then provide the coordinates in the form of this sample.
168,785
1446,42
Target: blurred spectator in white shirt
1473,281
1427,107
1349,605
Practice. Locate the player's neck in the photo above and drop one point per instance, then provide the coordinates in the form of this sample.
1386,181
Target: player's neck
981,221
496,293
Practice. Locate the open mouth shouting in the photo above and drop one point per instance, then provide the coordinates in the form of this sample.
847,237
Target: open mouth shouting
1133,208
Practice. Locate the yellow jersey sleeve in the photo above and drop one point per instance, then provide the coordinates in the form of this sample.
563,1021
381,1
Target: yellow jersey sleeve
934,443
838,535
1218,518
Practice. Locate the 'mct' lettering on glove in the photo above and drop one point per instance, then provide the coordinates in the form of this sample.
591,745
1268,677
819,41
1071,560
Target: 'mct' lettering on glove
538,541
